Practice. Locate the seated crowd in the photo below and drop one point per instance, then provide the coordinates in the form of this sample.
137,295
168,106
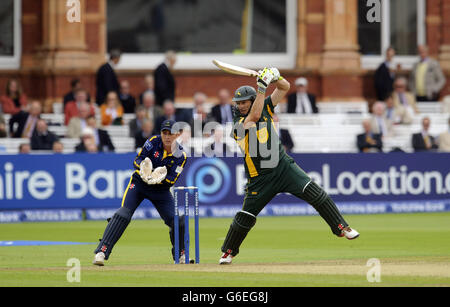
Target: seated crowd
85,118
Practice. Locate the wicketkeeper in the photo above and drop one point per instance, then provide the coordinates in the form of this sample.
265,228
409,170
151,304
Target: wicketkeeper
157,167
269,170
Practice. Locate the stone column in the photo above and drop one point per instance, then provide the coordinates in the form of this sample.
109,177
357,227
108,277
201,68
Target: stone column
444,50
63,42
340,69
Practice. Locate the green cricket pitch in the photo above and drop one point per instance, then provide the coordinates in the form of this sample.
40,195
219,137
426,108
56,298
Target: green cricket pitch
413,250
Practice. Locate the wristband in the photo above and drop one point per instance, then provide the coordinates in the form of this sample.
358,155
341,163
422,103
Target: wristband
261,90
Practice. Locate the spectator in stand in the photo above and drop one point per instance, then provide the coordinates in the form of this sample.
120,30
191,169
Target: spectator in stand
218,148
106,78
87,137
197,117
75,85
143,134
284,135
397,114
426,79
126,99
77,123
444,139
3,133
222,112
111,111
169,112
22,124
379,123
369,141
149,81
185,140
423,141
153,111
164,79
72,109
14,99
58,147
101,137
404,98
24,148
302,102
136,123
385,75
42,139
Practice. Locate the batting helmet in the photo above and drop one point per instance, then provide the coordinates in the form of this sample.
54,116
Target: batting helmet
245,92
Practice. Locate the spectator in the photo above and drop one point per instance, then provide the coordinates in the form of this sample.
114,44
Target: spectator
24,148
14,99
87,137
136,123
218,148
153,111
75,85
77,123
126,99
42,139
223,112
58,147
302,102
164,80
426,79
423,141
143,134
111,111
3,133
197,117
169,112
72,108
379,123
101,137
444,139
106,78
22,124
149,81
404,98
185,140
369,141
284,135
385,75
397,114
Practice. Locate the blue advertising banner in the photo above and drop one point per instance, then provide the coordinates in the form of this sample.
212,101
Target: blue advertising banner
86,181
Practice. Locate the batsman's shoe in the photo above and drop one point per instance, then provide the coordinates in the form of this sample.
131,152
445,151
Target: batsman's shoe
226,259
99,259
349,233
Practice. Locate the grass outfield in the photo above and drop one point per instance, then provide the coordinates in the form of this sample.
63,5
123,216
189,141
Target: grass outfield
414,250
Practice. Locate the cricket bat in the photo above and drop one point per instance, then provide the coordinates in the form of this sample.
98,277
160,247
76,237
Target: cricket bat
236,70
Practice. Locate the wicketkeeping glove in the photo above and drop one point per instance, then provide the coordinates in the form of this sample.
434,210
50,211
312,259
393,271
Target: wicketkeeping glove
146,168
158,175
264,78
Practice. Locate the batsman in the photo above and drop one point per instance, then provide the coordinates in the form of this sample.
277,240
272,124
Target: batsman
269,170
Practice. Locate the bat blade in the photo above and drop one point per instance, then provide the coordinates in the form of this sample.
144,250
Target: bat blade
236,70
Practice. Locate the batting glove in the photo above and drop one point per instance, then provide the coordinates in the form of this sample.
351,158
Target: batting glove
276,74
264,79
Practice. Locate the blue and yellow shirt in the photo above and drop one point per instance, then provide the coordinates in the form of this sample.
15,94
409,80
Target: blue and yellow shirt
174,162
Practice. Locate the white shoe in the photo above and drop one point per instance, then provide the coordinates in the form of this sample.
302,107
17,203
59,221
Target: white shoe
99,259
350,233
226,259
183,258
